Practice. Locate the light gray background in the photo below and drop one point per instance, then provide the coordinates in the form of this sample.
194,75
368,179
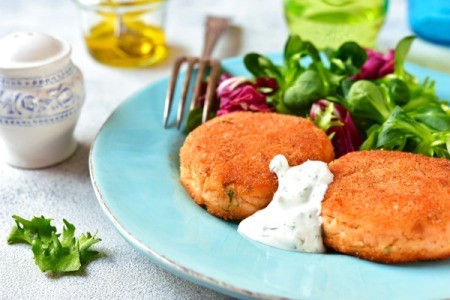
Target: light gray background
65,191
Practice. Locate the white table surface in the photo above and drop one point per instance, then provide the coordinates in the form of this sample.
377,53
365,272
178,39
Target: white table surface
65,190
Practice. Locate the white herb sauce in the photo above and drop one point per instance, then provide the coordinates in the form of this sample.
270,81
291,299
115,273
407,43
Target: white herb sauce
292,219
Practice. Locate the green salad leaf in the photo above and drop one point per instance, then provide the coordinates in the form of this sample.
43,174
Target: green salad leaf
402,132
348,59
368,100
325,119
261,66
53,251
307,89
194,119
433,116
398,91
401,52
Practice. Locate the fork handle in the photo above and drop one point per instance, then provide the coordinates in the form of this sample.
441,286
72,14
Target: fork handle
215,27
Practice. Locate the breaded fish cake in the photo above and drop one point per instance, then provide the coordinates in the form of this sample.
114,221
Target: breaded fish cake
224,163
388,206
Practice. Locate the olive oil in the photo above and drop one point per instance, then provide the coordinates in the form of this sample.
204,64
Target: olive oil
329,23
124,38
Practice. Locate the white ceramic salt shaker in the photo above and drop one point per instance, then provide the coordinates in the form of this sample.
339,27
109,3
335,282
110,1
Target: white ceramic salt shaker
41,95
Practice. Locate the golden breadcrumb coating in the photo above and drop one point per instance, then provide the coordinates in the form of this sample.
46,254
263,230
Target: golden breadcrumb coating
388,206
224,163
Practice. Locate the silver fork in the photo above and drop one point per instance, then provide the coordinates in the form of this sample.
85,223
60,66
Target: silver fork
215,26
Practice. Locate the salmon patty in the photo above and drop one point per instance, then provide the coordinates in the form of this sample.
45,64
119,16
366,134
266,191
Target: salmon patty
388,206
224,163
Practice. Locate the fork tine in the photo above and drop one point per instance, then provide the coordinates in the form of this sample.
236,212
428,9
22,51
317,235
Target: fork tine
203,64
171,90
191,61
211,90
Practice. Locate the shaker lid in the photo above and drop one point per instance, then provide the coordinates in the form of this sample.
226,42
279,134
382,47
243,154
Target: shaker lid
29,50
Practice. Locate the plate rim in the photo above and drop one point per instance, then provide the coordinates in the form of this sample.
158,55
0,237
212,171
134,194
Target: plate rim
168,264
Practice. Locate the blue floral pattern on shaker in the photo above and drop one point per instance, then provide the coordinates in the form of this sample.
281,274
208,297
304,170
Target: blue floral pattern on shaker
34,101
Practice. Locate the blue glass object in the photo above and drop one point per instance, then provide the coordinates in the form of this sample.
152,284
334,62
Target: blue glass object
430,20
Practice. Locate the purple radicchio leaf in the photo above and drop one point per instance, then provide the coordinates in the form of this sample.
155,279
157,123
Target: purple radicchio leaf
337,122
241,94
377,65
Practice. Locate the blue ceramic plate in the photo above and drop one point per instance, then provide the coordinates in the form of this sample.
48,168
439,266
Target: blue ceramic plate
134,170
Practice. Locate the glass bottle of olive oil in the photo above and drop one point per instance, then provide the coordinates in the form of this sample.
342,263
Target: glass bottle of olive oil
126,33
329,23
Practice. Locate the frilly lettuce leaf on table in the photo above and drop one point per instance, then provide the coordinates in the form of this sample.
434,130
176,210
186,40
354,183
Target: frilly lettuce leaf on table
53,251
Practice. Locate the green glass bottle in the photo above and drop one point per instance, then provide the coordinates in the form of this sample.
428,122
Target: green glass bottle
329,23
